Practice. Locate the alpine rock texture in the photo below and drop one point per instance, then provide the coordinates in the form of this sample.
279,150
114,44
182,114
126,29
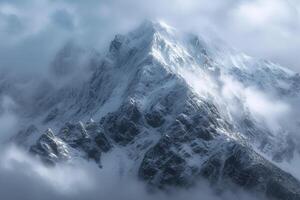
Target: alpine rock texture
165,99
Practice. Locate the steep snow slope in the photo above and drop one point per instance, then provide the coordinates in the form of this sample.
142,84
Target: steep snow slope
180,109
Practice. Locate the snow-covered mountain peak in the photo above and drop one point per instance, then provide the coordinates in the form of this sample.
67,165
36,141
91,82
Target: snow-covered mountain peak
160,43
154,50
144,37
151,27
178,106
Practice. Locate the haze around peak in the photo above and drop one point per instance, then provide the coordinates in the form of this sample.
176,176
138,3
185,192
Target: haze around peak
32,31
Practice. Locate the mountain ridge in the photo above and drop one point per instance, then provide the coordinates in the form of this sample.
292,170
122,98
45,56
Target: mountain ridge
160,98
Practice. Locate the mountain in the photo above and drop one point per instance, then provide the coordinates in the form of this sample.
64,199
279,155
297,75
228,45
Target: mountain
177,105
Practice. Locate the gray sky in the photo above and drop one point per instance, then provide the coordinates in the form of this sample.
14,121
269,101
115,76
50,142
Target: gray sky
31,31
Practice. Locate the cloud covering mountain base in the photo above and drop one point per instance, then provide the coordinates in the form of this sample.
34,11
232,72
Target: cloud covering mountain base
24,177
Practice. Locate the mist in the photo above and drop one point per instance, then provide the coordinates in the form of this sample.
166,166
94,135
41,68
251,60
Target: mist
32,31
23,176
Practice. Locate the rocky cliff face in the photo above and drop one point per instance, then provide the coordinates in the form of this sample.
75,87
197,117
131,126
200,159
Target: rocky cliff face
159,96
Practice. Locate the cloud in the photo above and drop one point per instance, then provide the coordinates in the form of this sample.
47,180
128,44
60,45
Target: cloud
264,107
32,31
266,29
260,13
23,177
60,178
272,110
64,19
8,120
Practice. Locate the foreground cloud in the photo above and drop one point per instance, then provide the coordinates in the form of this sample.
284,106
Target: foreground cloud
23,177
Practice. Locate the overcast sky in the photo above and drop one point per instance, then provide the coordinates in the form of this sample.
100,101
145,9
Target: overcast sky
31,31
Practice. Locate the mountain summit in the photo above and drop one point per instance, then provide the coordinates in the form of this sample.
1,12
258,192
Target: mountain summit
180,108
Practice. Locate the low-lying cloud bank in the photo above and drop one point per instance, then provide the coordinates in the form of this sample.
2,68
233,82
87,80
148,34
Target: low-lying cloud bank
23,177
